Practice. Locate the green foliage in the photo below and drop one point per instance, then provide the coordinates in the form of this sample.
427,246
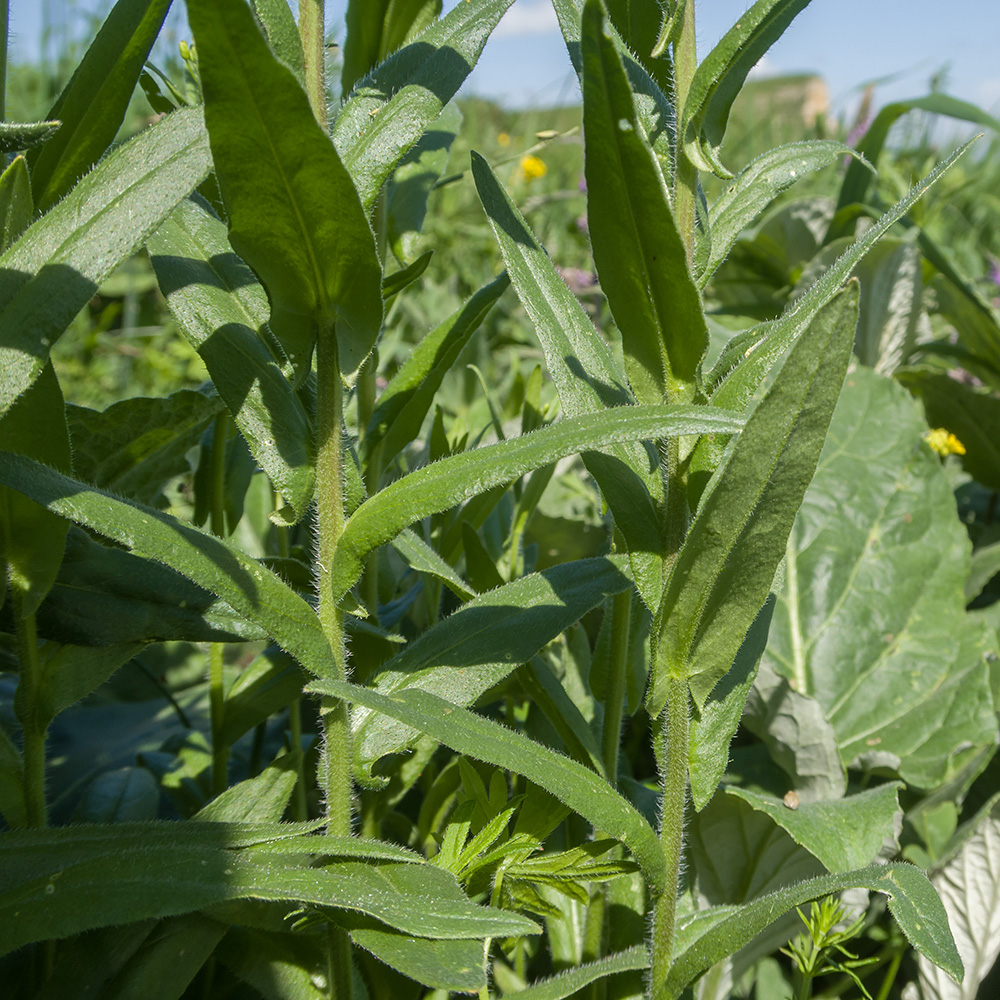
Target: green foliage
495,579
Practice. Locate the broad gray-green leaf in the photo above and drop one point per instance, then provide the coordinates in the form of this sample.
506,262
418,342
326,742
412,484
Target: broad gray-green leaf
638,251
755,187
223,569
101,875
390,110
720,76
32,542
92,107
842,833
222,310
55,268
294,214
568,983
724,570
572,783
714,934
135,446
797,734
968,882
481,643
870,620
408,397
587,378
446,483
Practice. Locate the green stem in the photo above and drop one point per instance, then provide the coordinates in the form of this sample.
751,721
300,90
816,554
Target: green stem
334,713
673,761
300,808
685,173
312,31
33,727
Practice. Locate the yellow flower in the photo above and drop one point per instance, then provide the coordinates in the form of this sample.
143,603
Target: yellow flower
503,139
944,442
531,168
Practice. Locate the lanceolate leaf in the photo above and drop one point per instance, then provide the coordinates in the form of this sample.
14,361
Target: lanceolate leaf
282,33
101,875
444,484
484,641
15,136
638,251
222,310
458,966
389,110
93,105
724,570
294,215
567,984
51,273
587,378
249,588
573,784
715,934
720,76
17,208
755,187
401,408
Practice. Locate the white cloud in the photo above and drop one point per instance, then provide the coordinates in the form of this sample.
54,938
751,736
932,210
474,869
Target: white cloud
764,67
528,17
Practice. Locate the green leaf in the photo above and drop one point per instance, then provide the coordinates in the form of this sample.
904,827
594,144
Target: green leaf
715,934
223,311
271,682
390,110
724,570
405,401
425,559
972,414
587,378
445,483
294,215
755,187
483,642
842,833
885,645
53,271
70,673
854,189
714,725
104,597
125,795
101,875
279,966
413,181
441,965
15,136
394,283
278,22
720,76
136,446
12,805
572,783
568,983
250,589
92,106
257,800
966,880
32,541
640,258
376,29
17,208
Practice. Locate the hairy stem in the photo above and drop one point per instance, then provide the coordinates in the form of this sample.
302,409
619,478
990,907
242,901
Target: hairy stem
672,754
312,31
335,714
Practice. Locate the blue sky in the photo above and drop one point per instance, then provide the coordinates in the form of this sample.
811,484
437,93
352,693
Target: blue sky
849,42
